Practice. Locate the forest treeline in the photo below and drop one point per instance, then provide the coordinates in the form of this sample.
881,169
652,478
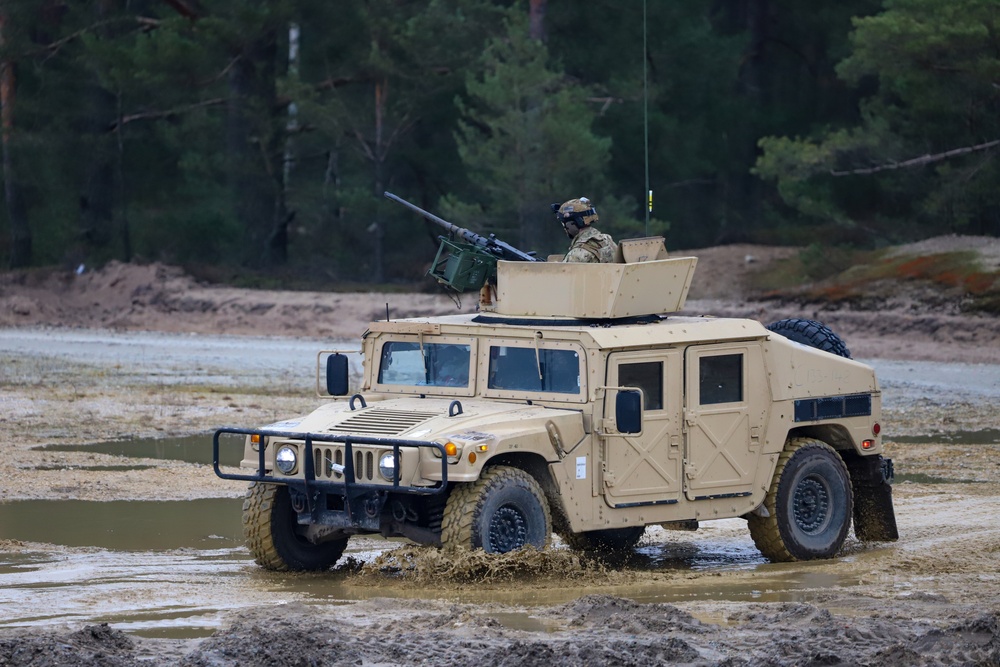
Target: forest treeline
261,134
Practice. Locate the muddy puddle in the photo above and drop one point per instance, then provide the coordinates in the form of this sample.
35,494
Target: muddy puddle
125,525
174,569
191,449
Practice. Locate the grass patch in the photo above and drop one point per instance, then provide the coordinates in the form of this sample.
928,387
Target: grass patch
813,264
839,275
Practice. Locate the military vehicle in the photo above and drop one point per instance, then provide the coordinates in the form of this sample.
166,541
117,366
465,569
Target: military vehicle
576,401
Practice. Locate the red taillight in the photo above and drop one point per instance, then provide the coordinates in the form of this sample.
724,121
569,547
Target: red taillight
867,444
876,428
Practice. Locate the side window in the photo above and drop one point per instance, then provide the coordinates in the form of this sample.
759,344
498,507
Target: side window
520,369
720,379
647,376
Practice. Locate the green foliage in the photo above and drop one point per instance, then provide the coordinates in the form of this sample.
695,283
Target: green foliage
525,139
139,131
935,66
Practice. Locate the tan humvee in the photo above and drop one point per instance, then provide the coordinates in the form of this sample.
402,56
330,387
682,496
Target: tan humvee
573,403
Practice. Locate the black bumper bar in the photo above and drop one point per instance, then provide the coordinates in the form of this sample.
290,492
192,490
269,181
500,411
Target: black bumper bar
350,485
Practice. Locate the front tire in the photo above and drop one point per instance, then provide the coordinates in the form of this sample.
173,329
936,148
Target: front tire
505,509
809,504
269,526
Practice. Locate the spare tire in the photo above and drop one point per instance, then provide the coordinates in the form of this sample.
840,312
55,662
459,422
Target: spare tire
811,333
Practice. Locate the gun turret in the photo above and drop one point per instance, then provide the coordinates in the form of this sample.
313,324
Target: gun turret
466,264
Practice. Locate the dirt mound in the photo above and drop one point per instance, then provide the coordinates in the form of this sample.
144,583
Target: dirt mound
904,319
93,645
156,297
986,247
723,272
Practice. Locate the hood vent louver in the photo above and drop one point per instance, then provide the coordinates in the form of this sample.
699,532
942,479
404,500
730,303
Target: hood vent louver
379,421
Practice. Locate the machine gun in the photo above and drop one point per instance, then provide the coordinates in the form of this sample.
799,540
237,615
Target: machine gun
468,263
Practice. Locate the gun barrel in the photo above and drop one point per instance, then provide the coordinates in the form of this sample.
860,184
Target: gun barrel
453,228
491,244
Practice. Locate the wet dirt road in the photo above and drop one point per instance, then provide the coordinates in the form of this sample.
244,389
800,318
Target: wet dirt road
175,568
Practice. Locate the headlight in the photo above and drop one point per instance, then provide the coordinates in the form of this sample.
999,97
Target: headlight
387,466
450,449
286,460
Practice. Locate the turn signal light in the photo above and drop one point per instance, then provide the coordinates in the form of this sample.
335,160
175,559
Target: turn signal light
450,448
867,444
472,457
255,438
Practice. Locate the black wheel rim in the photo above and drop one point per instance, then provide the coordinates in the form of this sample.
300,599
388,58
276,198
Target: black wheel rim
811,505
508,529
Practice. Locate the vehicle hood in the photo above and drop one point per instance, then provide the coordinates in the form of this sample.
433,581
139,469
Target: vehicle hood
429,418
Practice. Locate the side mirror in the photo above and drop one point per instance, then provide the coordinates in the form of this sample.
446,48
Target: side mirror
337,380
628,411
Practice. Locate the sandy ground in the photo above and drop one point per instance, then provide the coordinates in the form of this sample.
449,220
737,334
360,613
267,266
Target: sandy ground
932,598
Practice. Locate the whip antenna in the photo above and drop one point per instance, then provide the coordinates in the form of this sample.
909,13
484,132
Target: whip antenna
645,117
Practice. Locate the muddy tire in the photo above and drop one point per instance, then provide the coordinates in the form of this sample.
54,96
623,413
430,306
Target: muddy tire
809,504
504,510
615,540
270,529
811,333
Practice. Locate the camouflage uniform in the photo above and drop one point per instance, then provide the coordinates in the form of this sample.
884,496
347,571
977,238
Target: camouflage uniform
590,245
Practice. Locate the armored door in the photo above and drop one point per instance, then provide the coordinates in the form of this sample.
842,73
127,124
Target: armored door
726,398
645,468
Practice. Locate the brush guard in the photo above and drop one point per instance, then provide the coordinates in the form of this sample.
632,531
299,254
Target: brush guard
358,505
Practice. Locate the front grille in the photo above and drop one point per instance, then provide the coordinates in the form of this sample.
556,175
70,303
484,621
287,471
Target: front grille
365,461
379,421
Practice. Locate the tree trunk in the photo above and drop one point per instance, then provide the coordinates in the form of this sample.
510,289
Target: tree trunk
254,146
377,228
528,222
536,18
97,197
126,236
20,230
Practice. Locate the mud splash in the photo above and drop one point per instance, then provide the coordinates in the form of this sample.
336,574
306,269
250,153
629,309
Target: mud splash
453,569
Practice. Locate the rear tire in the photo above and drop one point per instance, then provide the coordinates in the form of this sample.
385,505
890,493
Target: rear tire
270,529
811,333
810,504
505,509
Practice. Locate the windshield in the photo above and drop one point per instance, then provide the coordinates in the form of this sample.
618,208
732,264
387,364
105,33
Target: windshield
433,365
519,368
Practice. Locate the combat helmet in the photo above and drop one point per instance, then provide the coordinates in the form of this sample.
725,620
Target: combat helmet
580,211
